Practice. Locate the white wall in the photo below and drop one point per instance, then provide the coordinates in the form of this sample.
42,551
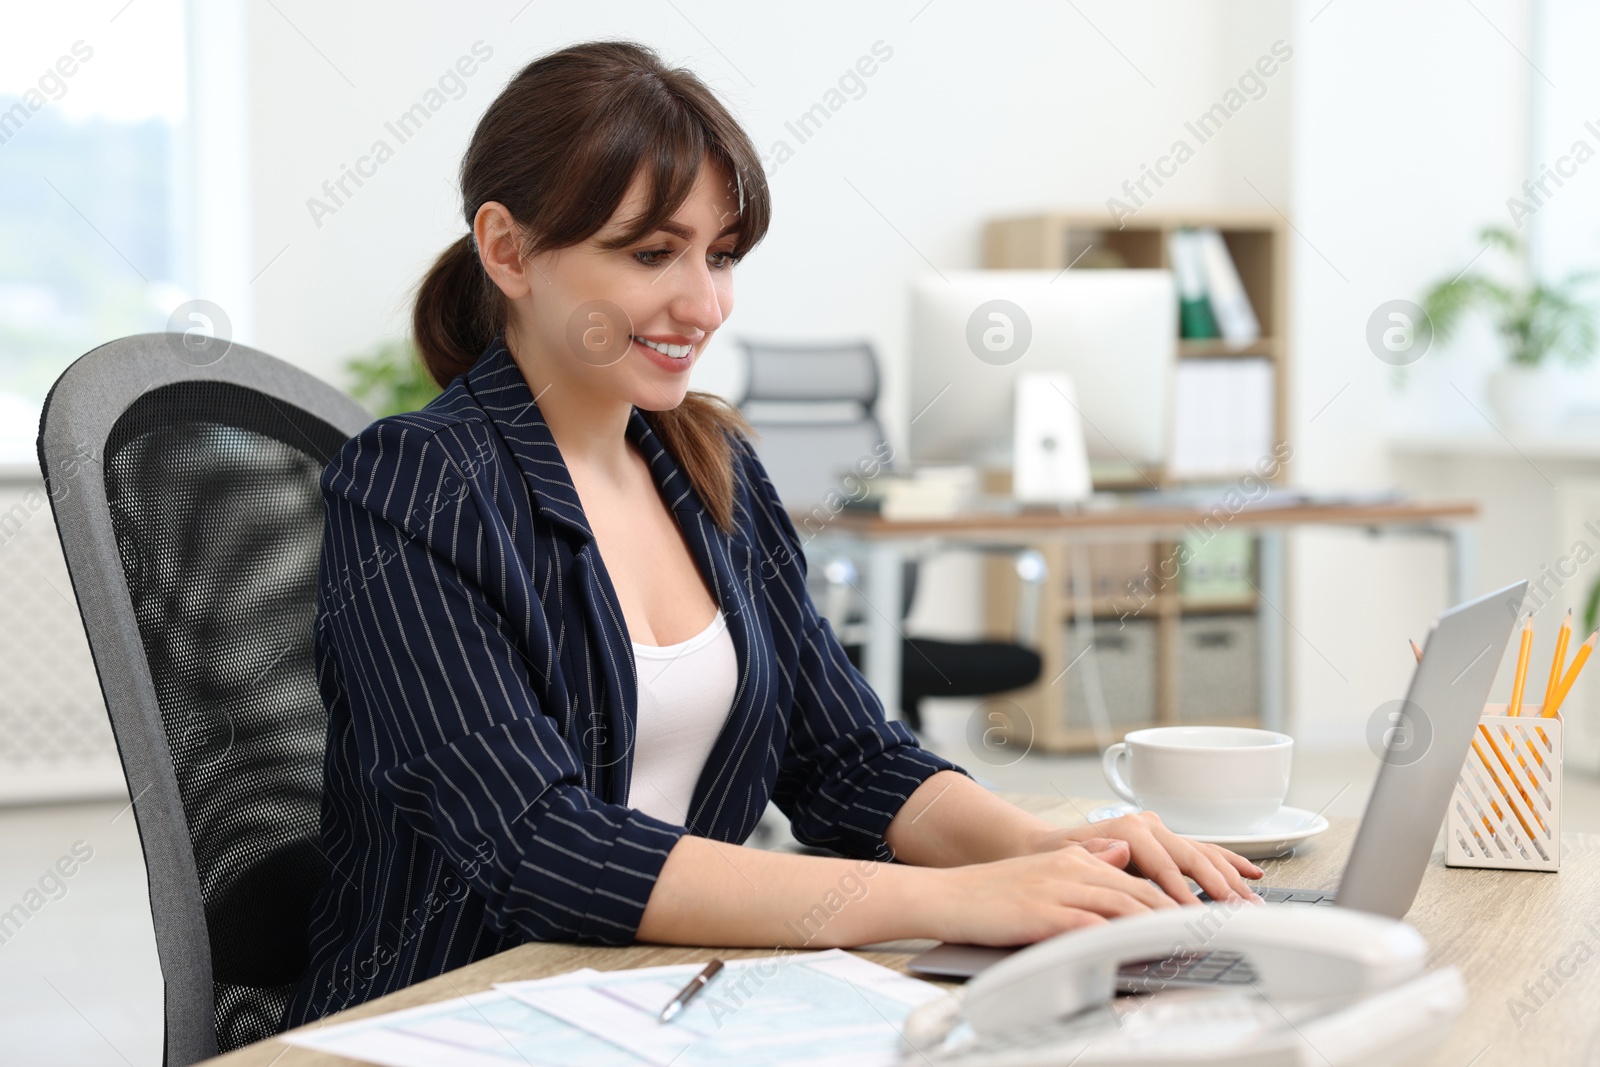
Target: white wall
1564,229
1409,132
1565,225
981,110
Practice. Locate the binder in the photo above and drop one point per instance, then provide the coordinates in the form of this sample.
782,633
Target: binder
1195,319
1229,305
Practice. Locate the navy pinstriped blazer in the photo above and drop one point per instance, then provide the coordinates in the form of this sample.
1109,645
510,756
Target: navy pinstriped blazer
481,696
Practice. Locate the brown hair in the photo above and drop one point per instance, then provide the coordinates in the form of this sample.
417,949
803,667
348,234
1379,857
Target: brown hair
559,148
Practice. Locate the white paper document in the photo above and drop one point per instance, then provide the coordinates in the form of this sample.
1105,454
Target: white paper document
826,1008
815,1008
490,1029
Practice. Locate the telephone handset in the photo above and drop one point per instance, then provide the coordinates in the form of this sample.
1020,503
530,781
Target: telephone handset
1296,953
1330,964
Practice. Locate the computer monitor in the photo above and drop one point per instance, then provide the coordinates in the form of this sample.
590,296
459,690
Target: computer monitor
1114,331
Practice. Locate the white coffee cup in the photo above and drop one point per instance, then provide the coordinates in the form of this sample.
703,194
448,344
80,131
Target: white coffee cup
1203,779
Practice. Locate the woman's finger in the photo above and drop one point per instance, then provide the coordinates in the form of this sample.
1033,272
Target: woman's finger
1077,918
1170,859
1156,862
1141,889
1108,850
1219,859
1197,865
1102,900
1239,863
1163,870
1216,876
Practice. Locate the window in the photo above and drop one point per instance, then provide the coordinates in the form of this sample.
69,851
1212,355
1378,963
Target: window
1558,210
92,102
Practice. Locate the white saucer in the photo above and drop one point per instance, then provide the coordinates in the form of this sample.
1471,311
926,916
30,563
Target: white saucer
1286,829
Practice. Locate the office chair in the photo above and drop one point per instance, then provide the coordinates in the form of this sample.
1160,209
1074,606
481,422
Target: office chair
812,406
184,483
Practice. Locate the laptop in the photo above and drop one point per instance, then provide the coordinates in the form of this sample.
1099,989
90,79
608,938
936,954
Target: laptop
1460,657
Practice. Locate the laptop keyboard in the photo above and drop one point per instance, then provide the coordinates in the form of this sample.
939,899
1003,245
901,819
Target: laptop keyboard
1288,896
1216,967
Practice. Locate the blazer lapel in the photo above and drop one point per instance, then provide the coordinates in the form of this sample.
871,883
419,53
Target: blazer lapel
728,564
497,383
606,733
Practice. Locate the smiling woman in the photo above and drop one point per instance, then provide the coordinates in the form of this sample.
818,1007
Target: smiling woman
567,512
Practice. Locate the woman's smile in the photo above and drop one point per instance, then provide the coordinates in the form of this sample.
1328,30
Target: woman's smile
671,354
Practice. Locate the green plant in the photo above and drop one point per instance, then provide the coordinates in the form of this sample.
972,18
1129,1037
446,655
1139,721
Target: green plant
390,379
1536,320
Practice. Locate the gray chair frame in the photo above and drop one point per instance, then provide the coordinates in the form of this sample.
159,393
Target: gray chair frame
840,601
83,406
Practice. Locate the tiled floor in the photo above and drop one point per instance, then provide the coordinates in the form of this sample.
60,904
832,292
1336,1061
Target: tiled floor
79,983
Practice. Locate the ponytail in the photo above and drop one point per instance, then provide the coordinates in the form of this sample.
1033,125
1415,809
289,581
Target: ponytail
455,314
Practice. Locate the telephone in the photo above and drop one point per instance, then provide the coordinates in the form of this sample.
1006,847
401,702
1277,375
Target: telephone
1333,986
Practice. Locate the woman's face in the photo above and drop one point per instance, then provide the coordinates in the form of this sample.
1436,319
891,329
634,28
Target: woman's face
629,323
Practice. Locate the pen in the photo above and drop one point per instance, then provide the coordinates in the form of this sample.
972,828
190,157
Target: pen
687,993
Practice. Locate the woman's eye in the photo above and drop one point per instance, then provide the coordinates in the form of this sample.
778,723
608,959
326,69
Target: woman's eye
654,257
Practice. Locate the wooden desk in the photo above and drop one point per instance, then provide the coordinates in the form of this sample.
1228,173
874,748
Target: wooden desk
884,545
1502,928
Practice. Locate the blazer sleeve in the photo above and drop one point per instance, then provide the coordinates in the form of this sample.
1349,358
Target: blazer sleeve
446,719
846,770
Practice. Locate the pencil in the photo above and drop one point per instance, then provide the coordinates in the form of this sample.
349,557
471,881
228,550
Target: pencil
1559,664
1416,650
1531,748
1505,735
1515,707
1504,792
1584,651
1512,775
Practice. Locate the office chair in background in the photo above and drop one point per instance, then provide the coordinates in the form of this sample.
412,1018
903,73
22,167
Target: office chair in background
184,484
812,405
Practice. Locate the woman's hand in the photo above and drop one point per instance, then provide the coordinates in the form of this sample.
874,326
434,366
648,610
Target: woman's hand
952,821
1166,857
1028,898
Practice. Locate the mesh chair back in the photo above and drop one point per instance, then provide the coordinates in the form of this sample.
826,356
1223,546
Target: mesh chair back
187,501
812,407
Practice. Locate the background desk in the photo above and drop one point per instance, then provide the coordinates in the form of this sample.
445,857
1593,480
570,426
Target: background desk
1502,928
883,544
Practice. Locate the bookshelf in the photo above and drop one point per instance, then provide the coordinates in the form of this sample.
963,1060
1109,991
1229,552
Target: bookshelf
1174,631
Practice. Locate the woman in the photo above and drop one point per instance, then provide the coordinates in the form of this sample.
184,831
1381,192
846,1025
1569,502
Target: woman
499,767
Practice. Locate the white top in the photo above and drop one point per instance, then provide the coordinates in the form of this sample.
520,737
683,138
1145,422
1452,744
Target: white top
686,691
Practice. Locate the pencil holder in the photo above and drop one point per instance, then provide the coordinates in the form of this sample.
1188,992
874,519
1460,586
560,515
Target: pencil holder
1506,810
